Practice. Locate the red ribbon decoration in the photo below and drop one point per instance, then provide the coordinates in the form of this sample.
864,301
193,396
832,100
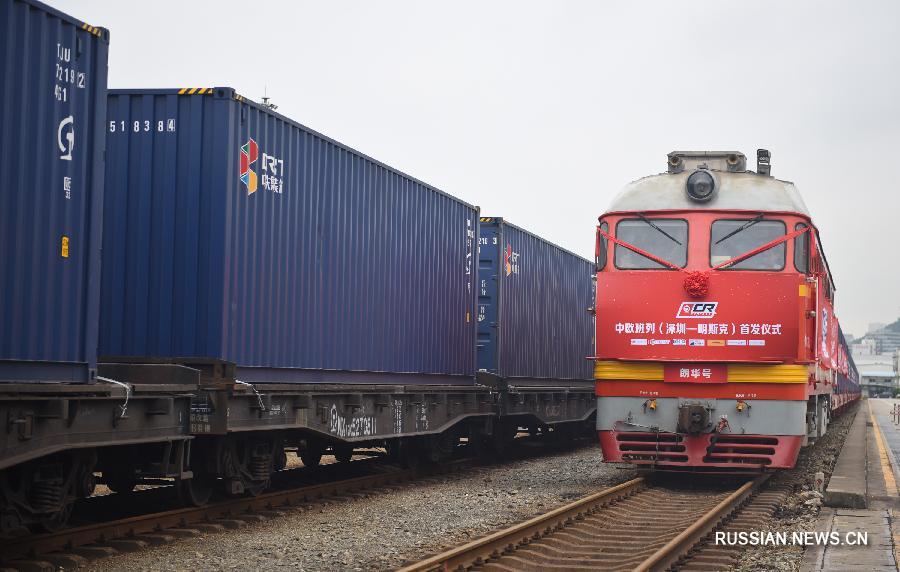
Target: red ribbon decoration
762,248
696,283
634,248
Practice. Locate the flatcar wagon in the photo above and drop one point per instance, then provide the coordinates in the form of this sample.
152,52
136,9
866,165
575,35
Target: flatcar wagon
327,299
717,344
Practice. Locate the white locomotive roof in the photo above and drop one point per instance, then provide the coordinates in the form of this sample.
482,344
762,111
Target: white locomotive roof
744,190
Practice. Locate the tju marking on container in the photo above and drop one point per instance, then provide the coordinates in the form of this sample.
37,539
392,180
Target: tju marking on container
64,247
65,75
363,426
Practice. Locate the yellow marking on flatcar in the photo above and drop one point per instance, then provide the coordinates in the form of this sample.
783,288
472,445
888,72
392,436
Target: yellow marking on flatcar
737,373
785,373
650,371
192,91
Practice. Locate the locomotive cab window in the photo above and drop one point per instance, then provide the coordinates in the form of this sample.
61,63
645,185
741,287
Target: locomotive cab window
732,238
600,258
801,250
661,237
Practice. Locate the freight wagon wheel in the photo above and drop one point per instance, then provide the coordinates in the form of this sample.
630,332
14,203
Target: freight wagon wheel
57,520
119,483
196,491
256,488
406,451
440,447
11,524
501,440
311,458
343,453
564,435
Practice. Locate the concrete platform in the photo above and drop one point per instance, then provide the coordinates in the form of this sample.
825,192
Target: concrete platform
876,554
848,485
862,496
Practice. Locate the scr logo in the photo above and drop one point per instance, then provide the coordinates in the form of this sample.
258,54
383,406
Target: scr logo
697,310
249,155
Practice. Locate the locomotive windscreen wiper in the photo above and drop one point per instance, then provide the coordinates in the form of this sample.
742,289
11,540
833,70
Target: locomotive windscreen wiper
744,226
654,225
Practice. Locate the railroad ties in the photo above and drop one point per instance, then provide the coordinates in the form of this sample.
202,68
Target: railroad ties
638,525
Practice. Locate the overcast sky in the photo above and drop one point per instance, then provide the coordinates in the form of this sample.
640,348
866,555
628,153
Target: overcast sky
541,112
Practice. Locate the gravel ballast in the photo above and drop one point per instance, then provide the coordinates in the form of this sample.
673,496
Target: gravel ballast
800,511
385,530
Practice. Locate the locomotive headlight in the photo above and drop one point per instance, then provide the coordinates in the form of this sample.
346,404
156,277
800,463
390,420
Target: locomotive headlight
701,185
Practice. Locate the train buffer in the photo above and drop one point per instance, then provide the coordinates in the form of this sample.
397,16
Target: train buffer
862,497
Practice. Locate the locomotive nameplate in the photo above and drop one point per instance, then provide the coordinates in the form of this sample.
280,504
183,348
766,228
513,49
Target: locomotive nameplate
696,373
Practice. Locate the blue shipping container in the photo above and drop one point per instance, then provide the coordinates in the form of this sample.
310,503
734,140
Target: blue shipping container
235,233
534,324
52,112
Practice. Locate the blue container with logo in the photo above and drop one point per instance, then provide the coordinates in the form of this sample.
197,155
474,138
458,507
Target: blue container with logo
535,325
52,112
234,233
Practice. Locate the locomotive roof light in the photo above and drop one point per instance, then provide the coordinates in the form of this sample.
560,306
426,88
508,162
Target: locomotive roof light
701,185
763,162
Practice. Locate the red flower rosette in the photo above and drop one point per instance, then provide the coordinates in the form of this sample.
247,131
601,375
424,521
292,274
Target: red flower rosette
696,283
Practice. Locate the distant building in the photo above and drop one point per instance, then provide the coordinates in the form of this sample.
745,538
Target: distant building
863,347
886,338
877,372
875,326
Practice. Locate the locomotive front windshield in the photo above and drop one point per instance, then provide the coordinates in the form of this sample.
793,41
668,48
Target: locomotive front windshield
731,238
664,238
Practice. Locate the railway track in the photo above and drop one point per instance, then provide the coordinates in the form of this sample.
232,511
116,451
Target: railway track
69,548
117,530
637,525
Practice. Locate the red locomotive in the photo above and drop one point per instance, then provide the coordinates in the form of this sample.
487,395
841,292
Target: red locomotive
717,345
